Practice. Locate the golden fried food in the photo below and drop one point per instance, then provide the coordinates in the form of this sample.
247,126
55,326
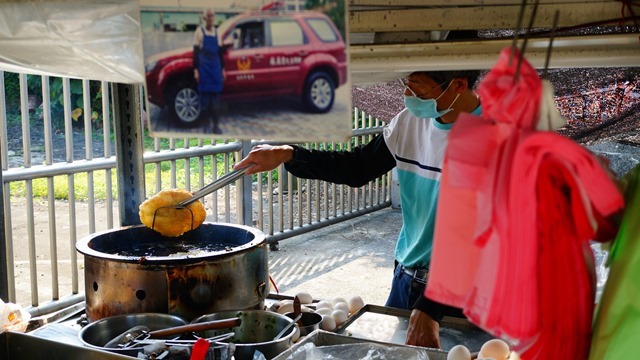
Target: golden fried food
171,221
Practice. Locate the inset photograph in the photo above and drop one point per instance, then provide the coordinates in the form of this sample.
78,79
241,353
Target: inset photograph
248,69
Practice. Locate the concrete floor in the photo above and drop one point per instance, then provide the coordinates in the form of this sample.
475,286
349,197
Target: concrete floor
350,258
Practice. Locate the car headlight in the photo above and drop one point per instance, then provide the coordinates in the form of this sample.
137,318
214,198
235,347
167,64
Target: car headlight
150,66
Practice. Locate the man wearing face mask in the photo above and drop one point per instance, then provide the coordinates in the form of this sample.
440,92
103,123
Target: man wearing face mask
415,142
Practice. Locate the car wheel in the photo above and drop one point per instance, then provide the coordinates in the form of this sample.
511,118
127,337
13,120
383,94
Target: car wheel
319,93
185,104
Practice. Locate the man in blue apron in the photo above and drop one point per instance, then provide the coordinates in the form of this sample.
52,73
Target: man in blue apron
207,70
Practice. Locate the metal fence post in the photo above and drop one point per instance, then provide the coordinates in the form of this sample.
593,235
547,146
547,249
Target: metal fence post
129,135
245,190
4,264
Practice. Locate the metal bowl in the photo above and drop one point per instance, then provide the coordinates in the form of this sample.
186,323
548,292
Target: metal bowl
99,333
310,321
256,331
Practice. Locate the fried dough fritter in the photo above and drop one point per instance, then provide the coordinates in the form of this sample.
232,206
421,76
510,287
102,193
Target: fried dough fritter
170,221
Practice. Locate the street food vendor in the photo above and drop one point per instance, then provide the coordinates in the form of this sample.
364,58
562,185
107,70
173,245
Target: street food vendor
414,141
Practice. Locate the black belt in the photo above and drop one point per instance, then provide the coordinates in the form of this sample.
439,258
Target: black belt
417,274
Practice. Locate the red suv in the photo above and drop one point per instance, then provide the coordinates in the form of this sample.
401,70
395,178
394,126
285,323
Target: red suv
266,54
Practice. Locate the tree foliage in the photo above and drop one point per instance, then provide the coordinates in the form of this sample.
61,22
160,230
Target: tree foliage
335,10
56,96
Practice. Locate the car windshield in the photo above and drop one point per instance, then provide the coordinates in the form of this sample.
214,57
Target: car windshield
222,28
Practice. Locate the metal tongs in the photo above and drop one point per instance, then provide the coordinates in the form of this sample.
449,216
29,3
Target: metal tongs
217,184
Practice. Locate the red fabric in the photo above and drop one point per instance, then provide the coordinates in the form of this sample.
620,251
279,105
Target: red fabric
199,350
516,210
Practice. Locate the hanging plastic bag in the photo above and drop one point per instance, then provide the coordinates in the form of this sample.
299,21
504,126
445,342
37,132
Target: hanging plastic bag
617,320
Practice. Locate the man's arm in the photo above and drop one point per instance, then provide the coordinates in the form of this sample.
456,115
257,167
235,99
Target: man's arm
354,168
424,322
196,55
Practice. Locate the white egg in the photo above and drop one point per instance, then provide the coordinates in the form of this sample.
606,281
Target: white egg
339,316
324,311
495,349
328,323
355,303
324,304
305,309
514,356
337,300
341,306
304,297
285,308
459,352
296,334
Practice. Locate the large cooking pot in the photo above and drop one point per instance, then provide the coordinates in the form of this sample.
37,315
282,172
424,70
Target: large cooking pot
212,268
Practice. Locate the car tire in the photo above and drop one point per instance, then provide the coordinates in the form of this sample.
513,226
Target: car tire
319,93
184,103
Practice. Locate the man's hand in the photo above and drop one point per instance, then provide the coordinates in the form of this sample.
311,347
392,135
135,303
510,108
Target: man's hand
196,75
266,157
423,330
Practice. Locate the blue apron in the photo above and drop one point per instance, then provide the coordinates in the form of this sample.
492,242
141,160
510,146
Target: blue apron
210,68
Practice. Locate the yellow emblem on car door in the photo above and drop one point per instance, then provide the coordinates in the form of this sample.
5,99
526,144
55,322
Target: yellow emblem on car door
244,64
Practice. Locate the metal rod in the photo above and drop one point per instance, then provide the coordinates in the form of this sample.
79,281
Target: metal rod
68,137
526,39
245,190
517,29
214,170
51,200
280,191
6,263
550,47
129,150
88,143
106,135
227,197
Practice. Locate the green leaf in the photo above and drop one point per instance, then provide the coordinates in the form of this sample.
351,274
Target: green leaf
76,113
75,86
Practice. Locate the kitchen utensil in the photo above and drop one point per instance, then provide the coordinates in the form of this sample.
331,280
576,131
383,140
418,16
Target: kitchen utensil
256,333
215,185
213,339
134,269
96,334
288,327
137,333
297,309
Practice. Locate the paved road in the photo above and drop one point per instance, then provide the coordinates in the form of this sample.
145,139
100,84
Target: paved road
274,119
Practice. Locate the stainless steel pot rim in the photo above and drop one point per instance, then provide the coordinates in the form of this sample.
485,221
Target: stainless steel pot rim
115,318
83,247
284,338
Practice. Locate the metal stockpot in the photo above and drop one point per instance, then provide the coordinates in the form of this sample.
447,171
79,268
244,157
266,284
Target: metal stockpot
135,269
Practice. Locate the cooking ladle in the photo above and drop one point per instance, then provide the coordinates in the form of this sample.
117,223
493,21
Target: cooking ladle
219,183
